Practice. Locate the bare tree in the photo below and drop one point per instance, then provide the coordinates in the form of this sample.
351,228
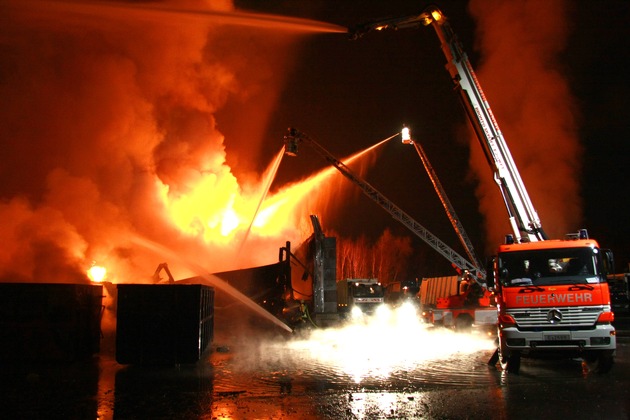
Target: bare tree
387,259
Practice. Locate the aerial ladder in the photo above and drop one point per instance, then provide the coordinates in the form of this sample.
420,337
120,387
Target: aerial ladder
446,203
522,216
292,140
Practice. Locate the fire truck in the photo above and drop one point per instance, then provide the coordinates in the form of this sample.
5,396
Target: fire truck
552,295
459,302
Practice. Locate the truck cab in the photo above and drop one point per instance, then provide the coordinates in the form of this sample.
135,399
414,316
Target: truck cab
553,298
358,297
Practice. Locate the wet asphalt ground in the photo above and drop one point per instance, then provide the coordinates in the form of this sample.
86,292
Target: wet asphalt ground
254,372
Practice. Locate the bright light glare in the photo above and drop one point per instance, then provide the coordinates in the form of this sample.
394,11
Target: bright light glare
383,314
386,402
356,313
407,315
406,135
96,273
372,348
436,15
229,223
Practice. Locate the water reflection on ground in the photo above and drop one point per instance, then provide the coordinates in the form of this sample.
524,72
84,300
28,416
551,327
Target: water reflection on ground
360,371
357,356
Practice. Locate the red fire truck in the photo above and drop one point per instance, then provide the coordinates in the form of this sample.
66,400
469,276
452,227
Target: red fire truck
552,295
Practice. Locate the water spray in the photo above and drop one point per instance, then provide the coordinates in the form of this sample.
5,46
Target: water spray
162,12
270,179
208,279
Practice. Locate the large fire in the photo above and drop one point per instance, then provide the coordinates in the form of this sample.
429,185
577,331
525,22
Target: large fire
111,133
118,139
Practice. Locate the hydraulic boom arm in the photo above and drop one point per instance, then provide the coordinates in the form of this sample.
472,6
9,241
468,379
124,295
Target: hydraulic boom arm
521,213
293,137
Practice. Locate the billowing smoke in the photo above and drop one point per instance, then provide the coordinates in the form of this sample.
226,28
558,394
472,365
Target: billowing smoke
108,133
520,43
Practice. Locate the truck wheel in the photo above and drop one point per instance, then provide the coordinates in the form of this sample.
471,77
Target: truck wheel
599,361
511,363
463,323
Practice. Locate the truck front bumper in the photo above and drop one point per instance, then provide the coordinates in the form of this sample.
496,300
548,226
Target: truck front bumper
602,337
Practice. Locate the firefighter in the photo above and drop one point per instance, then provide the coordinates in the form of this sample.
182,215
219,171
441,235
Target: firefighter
471,290
303,312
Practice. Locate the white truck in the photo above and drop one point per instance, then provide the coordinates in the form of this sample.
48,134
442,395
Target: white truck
358,297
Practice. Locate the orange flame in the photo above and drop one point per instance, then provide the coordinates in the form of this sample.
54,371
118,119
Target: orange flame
97,273
218,211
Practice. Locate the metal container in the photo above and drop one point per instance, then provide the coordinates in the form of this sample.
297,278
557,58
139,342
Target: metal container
163,324
49,322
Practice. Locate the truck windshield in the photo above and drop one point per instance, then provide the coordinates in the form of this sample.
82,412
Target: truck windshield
552,266
368,290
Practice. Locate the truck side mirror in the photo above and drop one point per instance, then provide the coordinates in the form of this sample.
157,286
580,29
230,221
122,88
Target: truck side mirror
609,262
490,280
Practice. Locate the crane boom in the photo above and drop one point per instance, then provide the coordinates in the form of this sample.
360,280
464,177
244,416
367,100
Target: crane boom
293,137
521,213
